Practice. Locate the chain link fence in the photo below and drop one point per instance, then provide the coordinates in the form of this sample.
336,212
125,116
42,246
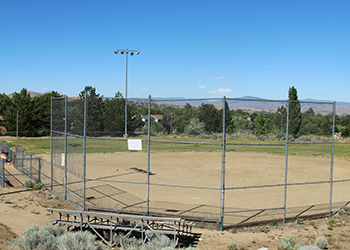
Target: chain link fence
225,160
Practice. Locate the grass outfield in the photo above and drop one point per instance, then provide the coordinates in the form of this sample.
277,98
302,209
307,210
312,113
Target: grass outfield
40,146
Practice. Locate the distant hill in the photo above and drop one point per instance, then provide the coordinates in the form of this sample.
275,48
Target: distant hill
248,103
256,104
31,93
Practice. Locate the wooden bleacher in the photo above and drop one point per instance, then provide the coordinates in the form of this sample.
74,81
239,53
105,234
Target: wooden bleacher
113,222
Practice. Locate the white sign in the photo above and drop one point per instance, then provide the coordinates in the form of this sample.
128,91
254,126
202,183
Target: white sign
63,160
134,144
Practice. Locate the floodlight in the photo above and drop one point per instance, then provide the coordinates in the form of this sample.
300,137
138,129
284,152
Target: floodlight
132,52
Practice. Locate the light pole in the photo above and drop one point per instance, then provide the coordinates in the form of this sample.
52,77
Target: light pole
132,52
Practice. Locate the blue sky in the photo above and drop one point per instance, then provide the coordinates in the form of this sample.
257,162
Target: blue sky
188,48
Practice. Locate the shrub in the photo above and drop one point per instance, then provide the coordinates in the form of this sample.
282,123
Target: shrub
126,242
273,222
214,136
232,246
303,138
321,242
28,184
289,244
37,186
45,239
218,136
346,208
300,221
203,136
77,241
156,128
308,248
157,241
262,137
280,134
195,127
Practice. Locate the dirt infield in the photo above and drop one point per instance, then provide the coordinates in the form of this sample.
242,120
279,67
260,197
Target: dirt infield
203,169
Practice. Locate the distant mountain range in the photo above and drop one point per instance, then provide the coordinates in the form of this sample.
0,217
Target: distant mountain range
250,103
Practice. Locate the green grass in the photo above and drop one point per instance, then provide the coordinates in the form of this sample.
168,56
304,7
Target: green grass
41,146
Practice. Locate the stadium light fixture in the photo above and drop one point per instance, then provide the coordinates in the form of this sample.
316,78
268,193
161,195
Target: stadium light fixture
132,52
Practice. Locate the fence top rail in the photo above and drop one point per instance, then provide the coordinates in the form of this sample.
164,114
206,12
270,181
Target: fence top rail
208,99
114,215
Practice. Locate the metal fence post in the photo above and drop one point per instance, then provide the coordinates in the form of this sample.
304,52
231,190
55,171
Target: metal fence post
286,165
223,162
39,171
30,166
22,160
17,124
148,152
332,163
84,153
65,148
51,148
16,156
2,173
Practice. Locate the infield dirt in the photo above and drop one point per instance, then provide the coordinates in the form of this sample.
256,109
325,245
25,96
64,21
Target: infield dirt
21,208
264,174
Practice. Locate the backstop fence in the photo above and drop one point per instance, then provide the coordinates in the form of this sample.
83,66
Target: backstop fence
207,165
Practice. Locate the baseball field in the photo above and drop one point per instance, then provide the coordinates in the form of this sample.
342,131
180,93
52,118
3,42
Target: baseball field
186,180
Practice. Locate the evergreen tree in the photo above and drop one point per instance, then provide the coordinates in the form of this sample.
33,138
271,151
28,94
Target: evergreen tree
239,123
183,116
294,112
22,103
259,125
114,116
42,111
269,124
210,116
114,122
95,109
75,115
281,118
5,102
310,123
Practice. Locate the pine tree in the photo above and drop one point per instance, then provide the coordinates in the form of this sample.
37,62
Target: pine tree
294,112
95,109
21,103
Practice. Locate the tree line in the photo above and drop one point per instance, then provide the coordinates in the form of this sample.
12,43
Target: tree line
107,116
33,112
